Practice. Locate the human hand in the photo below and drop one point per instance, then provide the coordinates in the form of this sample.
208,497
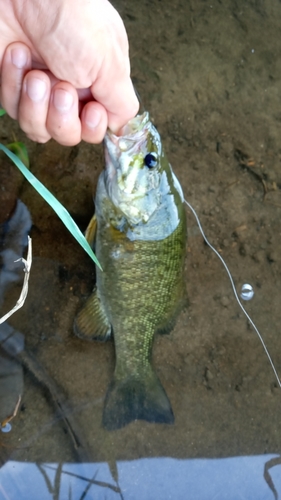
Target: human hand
65,70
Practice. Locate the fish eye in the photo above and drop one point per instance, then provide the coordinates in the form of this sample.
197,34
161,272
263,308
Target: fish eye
150,160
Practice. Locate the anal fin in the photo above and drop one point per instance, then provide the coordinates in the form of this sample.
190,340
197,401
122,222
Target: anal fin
91,322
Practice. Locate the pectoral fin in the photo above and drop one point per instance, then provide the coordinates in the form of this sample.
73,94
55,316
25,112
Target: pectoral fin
91,230
91,322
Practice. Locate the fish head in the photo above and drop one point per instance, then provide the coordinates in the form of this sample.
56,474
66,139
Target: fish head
134,169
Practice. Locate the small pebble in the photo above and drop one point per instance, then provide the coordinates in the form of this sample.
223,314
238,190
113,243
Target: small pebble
258,256
245,249
209,376
247,292
224,301
272,256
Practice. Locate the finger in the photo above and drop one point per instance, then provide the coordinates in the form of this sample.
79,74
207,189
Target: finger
94,122
112,86
15,64
118,97
33,106
124,105
63,121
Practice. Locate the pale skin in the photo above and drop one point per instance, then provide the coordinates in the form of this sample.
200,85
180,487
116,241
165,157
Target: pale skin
65,70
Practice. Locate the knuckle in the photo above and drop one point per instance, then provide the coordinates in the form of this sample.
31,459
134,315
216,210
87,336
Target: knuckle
42,139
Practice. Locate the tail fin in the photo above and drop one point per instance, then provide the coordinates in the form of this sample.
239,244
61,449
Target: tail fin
136,399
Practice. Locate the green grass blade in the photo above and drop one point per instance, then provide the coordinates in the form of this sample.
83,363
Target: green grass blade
54,203
19,149
2,112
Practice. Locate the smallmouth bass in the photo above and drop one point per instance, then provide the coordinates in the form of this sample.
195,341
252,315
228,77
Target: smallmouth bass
139,232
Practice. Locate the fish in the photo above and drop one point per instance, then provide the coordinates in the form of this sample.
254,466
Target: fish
139,236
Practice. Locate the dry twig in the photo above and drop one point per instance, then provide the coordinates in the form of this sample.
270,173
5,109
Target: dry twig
23,295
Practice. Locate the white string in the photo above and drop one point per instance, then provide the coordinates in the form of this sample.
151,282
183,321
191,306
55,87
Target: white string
234,291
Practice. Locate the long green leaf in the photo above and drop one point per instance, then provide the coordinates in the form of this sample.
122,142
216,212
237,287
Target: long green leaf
19,149
54,203
2,112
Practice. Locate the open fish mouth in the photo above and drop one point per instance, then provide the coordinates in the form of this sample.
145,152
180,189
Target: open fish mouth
134,127
132,186
132,138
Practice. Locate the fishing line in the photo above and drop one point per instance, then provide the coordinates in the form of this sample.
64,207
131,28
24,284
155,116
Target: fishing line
235,293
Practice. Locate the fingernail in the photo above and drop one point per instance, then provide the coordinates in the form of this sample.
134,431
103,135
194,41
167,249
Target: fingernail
92,118
62,100
19,57
36,89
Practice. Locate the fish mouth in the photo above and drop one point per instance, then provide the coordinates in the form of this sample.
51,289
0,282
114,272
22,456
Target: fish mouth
133,126
131,186
124,157
132,134
135,208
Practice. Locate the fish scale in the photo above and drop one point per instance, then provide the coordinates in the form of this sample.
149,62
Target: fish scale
144,290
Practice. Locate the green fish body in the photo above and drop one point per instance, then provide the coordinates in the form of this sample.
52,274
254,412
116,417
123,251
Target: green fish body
140,243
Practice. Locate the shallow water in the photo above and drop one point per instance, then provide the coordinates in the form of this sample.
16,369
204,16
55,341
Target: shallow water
208,73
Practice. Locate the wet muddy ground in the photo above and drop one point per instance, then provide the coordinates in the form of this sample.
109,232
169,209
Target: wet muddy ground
209,74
